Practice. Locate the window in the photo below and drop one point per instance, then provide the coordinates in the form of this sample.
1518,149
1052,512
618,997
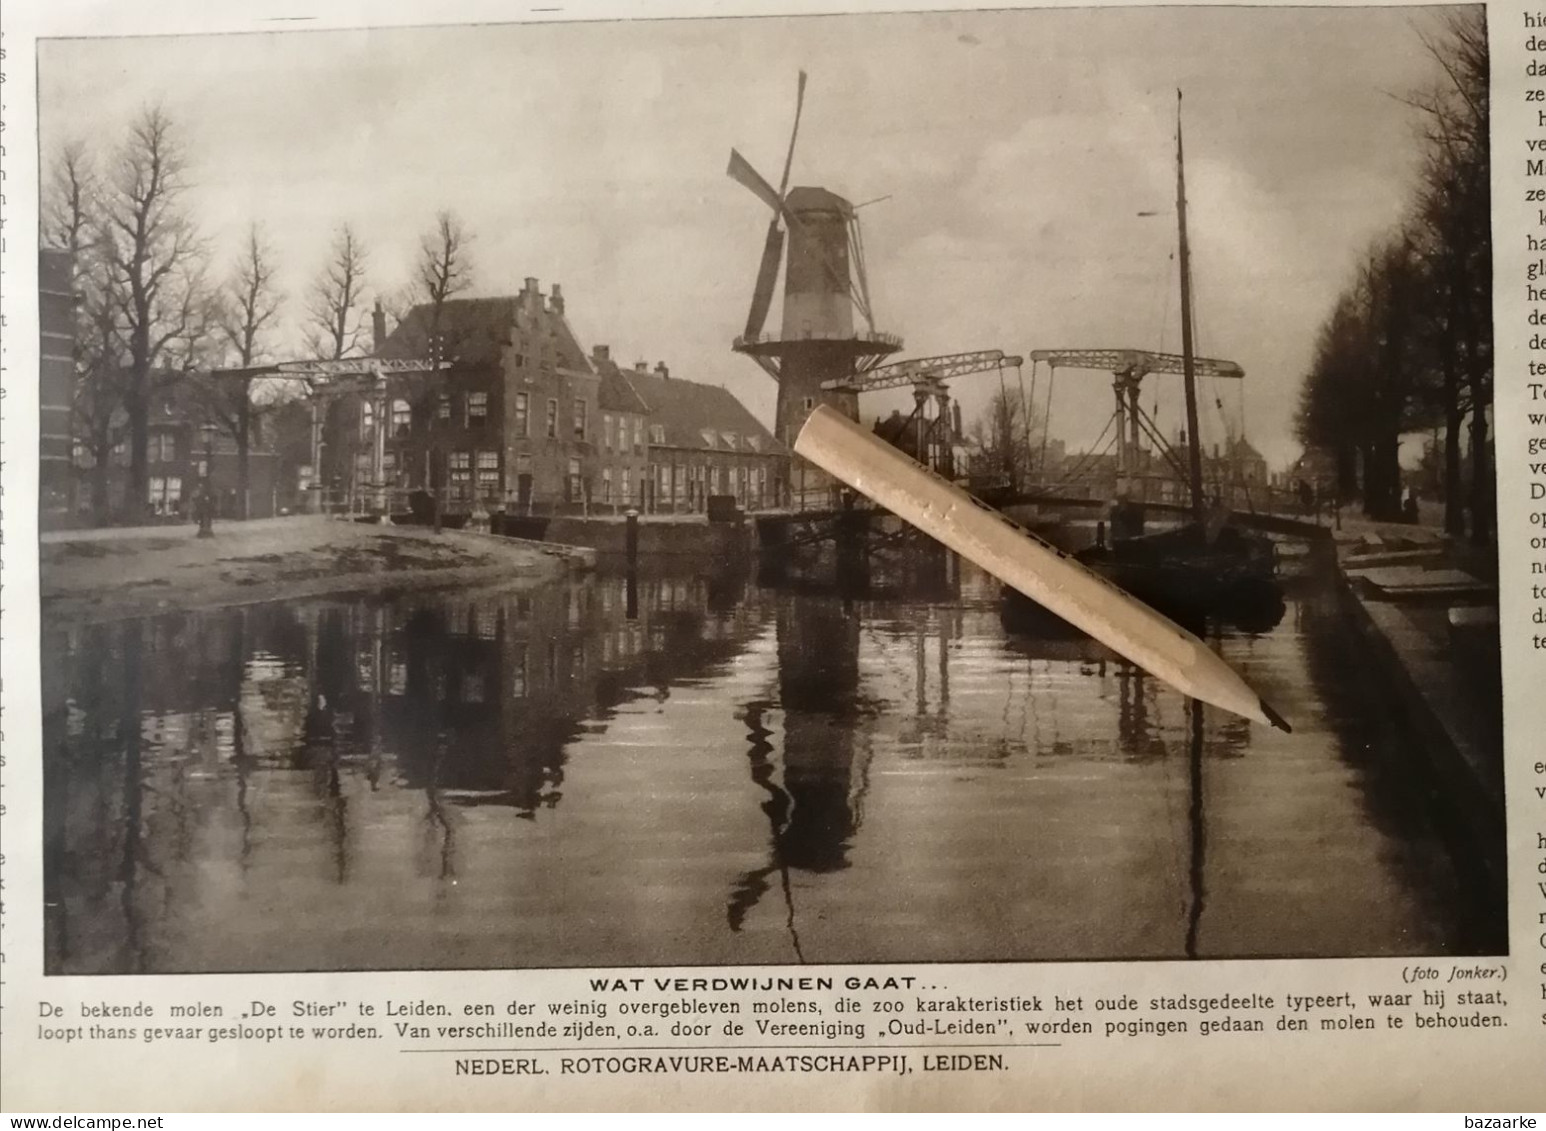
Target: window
657,433
575,485
606,484
488,474
367,418
638,435
714,481
709,437
477,409
579,419
552,419
443,406
518,672
166,495
810,403
521,411
163,447
402,417
388,461
606,430
729,439
627,485
461,474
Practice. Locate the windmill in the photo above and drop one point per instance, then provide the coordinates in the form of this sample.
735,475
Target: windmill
815,234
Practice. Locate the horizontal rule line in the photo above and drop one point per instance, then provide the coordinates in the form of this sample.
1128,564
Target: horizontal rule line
753,1048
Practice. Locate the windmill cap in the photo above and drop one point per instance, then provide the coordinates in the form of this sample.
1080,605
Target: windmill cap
803,198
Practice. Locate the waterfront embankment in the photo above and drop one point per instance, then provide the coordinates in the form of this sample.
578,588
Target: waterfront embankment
98,575
1441,671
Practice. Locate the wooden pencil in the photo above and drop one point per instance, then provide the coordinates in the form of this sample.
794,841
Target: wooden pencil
997,544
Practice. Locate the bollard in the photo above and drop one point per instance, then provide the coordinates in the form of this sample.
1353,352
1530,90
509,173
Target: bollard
631,552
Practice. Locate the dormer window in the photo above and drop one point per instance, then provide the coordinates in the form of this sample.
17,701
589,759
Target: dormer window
729,439
709,439
657,433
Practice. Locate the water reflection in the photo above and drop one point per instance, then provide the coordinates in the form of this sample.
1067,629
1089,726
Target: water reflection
704,771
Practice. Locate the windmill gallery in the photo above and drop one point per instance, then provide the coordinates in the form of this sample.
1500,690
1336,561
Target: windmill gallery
558,659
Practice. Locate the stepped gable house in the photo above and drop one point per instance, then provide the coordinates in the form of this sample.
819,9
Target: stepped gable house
524,422
512,423
700,441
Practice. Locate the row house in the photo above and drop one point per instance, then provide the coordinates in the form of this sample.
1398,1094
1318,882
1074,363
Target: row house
699,442
523,421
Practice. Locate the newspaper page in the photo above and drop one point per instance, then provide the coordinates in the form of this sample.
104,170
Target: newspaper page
431,682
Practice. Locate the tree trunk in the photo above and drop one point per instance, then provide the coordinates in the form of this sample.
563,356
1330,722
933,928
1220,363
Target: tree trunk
1481,473
437,477
137,489
243,453
99,499
1454,502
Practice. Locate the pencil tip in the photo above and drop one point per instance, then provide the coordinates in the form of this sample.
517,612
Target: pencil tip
1274,718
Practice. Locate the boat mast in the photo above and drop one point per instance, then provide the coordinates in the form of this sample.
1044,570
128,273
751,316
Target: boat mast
1193,442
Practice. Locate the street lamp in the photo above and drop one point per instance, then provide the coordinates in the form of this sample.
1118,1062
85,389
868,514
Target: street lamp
204,502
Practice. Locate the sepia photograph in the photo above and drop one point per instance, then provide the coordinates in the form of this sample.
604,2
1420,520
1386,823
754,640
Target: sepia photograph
429,579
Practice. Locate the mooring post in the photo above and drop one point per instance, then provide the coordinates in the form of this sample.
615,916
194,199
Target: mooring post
631,553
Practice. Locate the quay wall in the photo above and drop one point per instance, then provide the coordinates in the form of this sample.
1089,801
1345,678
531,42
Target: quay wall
1440,723
609,536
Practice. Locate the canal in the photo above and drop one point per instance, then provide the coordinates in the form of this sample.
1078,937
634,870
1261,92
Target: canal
712,773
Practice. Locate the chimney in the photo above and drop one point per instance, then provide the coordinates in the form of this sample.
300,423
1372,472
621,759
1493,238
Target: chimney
377,327
661,371
531,284
601,353
556,300
641,367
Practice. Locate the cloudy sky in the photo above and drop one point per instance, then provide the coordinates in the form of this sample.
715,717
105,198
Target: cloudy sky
1018,150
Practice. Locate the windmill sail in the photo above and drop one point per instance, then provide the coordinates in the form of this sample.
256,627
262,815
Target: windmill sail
741,171
767,280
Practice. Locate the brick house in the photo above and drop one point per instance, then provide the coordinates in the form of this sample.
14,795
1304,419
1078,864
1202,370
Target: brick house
511,425
625,460
183,446
56,382
699,442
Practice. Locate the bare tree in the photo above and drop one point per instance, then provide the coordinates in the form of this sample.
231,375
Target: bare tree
154,259
71,200
1002,437
442,270
247,308
1453,213
334,323
70,209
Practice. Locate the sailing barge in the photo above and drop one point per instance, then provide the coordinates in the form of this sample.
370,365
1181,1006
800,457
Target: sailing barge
1208,568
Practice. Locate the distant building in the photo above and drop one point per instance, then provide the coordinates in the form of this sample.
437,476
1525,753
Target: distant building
56,382
700,442
523,421
625,460
510,426
183,446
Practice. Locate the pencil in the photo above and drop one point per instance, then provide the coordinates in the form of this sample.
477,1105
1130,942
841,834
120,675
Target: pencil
993,541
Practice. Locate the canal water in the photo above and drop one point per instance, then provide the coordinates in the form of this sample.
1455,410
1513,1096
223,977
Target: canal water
711,773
